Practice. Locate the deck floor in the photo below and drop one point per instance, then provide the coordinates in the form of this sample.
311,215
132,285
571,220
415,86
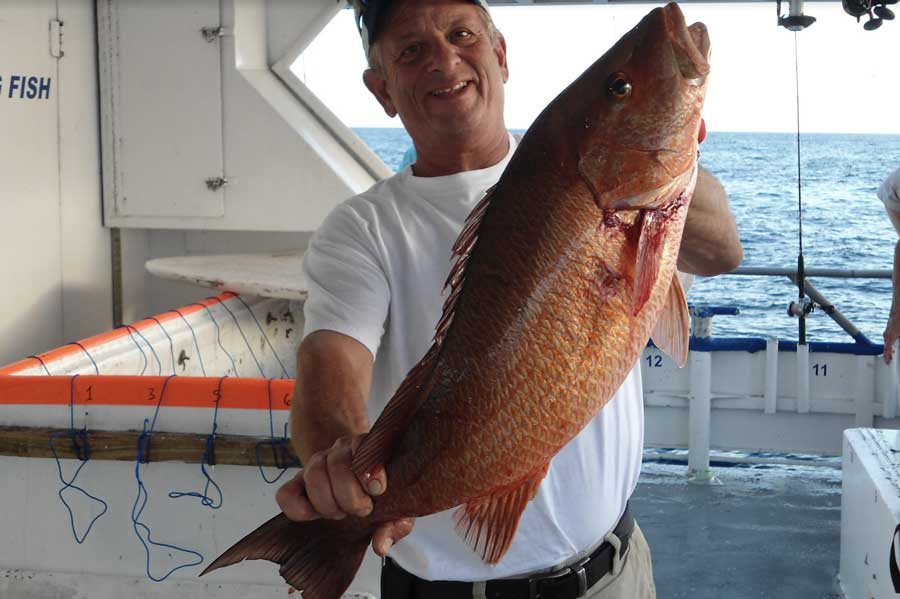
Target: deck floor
765,531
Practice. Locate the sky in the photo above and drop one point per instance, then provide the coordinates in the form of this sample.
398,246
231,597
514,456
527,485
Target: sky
849,77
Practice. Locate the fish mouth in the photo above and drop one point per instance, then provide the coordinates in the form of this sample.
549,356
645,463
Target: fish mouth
690,45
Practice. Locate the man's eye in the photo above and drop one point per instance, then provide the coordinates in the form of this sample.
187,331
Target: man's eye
463,34
409,51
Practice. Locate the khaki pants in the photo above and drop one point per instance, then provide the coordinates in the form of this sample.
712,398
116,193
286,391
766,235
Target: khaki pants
631,580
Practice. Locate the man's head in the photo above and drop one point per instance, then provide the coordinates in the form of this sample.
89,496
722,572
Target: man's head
439,64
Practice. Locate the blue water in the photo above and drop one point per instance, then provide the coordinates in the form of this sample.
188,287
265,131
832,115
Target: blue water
844,225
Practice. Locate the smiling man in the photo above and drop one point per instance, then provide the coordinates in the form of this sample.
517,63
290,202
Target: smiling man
376,268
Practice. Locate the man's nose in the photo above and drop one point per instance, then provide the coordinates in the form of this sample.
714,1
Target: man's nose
444,56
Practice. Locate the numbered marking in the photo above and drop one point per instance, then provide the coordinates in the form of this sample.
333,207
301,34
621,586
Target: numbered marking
654,361
820,369
286,400
90,396
152,394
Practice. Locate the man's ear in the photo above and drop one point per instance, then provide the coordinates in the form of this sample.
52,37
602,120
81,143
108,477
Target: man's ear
500,51
378,86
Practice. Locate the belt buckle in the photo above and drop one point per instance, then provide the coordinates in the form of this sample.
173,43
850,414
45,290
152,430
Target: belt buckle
577,569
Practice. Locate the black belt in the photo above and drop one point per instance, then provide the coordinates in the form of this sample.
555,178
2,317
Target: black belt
568,583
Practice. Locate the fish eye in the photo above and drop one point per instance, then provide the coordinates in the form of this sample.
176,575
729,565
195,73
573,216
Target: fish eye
617,86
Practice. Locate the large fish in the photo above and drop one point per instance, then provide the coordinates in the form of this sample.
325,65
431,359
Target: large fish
563,272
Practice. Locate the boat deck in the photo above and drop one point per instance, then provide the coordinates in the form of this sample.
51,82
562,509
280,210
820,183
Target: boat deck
765,531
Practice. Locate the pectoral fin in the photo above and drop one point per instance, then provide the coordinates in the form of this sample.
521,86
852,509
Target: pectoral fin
489,523
672,331
648,257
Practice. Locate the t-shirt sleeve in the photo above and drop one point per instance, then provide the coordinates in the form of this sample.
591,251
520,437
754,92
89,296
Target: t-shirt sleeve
348,291
889,192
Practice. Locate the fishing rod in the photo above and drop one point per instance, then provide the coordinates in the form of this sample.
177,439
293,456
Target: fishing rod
796,21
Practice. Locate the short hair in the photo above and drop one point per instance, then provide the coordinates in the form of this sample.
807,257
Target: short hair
374,57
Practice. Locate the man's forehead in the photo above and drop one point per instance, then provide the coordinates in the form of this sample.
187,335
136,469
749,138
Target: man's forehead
374,17
412,17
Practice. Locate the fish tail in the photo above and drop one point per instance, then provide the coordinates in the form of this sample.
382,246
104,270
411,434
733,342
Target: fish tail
319,557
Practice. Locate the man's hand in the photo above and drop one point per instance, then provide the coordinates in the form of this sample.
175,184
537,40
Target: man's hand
328,488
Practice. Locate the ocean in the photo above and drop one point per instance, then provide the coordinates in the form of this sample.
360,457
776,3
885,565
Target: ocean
844,225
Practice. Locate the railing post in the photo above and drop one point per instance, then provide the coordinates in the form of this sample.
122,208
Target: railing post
771,392
700,406
802,378
864,392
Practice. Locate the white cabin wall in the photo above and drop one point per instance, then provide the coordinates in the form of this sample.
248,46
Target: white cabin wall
56,254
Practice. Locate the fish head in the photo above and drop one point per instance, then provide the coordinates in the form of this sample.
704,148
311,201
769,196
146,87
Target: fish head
640,105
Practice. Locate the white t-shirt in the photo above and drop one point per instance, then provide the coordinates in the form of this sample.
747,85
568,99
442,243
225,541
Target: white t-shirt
376,269
889,192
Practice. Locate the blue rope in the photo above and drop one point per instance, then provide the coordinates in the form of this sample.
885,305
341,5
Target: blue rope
88,354
137,345
280,454
143,496
209,457
196,344
219,337
171,344
47,370
83,453
266,337
244,337
152,350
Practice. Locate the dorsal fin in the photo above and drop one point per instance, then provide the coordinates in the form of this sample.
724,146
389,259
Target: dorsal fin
377,446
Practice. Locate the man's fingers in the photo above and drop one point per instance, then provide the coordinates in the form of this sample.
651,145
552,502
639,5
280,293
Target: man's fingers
388,534
292,500
318,487
351,498
376,481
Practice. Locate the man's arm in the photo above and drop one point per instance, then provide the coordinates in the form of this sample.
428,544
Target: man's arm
334,373
710,244
328,419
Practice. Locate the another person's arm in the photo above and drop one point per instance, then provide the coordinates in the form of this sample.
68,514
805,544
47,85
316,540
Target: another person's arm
710,244
892,329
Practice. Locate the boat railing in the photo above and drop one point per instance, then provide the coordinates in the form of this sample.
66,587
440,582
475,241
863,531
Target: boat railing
821,302
703,344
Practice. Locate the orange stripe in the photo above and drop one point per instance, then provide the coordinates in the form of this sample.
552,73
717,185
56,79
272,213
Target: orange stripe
67,350
181,391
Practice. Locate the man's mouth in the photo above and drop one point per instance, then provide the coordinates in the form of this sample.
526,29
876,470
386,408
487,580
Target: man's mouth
449,91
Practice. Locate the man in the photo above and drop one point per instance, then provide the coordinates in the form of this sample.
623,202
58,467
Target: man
376,268
889,193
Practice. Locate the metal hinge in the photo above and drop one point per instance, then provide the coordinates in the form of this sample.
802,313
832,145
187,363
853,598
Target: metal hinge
211,34
216,183
56,50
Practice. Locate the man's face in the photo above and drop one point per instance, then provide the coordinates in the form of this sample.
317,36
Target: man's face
440,70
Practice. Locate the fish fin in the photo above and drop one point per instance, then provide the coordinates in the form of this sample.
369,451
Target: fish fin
648,257
672,330
319,557
488,524
377,446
